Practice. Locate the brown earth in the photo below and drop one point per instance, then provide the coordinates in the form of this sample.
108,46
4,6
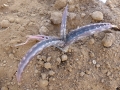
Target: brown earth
89,65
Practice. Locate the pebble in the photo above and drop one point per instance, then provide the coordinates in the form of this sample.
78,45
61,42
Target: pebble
43,75
94,62
51,72
11,19
58,60
48,59
36,71
82,74
88,72
97,15
72,8
108,39
47,65
56,17
11,56
71,2
43,30
91,54
21,28
17,20
83,15
44,58
72,16
4,88
108,73
39,57
91,41
98,65
64,57
60,4
5,23
43,83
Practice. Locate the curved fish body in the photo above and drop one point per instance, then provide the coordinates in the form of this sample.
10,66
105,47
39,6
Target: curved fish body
86,31
34,51
63,24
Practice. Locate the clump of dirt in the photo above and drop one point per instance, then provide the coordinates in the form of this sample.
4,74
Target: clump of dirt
92,63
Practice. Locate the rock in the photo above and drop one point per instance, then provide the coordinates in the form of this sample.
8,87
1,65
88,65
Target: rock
91,41
72,8
108,39
11,19
4,88
60,4
43,30
94,62
58,60
97,15
71,2
83,15
64,57
72,16
97,65
82,74
56,17
51,72
5,23
47,65
48,59
43,83
43,75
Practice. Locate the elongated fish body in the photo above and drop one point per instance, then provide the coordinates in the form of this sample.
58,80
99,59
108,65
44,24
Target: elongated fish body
63,24
86,31
34,51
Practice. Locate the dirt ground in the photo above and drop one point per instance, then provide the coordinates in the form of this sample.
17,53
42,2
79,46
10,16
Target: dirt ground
89,65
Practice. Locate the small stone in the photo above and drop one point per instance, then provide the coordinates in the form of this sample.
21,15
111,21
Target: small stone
48,59
72,8
88,72
98,65
91,54
71,2
72,16
91,41
11,56
43,75
44,58
51,72
108,39
5,23
11,19
56,17
17,20
21,28
83,15
4,88
43,30
36,71
43,83
108,73
47,65
82,74
60,4
64,57
94,62
102,80
83,8
58,60
97,15
39,57
41,63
